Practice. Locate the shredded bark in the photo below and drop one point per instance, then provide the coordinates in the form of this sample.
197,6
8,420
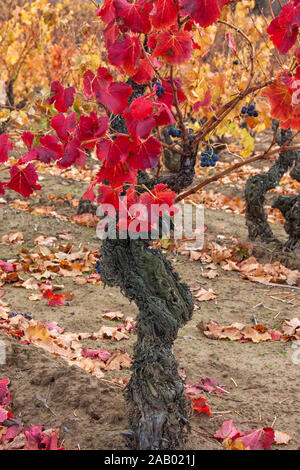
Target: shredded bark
255,193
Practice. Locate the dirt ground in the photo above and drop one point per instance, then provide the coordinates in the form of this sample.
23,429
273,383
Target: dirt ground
262,381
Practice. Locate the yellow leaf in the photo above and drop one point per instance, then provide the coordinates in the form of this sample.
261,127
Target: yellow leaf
38,332
233,444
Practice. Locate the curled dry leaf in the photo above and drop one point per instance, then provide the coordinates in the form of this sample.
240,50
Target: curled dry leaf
199,405
207,385
291,327
96,353
239,331
256,335
129,323
274,273
235,439
113,315
258,439
13,238
108,332
227,430
91,366
281,437
119,360
6,267
30,284
52,338
35,297
37,332
118,335
88,220
195,255
53,299
230,265
211,274
44,240
235,444
231,332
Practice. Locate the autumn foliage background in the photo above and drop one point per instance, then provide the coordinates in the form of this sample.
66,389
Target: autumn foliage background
64,70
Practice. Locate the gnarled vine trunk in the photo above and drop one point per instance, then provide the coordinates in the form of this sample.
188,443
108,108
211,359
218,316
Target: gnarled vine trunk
257,186
155,396
290,208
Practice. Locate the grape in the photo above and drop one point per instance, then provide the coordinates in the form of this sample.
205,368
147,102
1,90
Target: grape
159,89
174,132
208,158
97,267
250,110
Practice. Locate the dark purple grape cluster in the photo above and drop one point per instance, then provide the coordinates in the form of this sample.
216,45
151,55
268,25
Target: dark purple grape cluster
159,89
174,132
209,158
249,110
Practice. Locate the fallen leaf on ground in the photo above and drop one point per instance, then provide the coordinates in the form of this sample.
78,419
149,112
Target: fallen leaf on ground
88,220
227,430
99,353
108,332
44,240
281,437
54,299
207,384
119,360
200,405
13,238
6,267
211,274
203,295
258,439
244,333
291,328
30,284
35,297
235,439
113,315
37,332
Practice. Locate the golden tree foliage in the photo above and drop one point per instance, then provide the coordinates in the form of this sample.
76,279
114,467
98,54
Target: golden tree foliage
41,42
223,66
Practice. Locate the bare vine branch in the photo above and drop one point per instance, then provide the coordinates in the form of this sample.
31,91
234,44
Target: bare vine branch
263,156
